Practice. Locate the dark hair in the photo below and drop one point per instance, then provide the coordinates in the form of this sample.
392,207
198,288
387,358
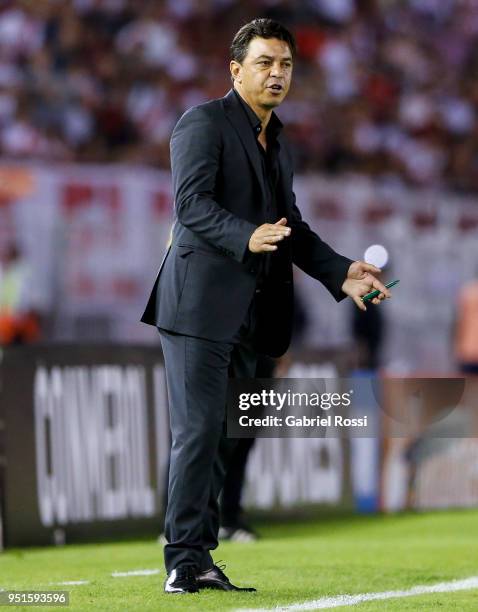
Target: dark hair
262,28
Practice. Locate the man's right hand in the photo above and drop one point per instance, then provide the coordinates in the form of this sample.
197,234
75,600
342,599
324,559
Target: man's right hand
265,236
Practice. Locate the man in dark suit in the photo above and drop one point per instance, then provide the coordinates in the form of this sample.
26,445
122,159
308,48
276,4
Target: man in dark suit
224,289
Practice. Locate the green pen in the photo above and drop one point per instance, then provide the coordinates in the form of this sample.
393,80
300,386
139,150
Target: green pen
374,294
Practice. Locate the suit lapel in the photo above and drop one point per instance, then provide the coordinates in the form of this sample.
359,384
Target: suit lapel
237,117
285,174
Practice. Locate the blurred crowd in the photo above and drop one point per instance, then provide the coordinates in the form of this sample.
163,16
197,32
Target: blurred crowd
383,87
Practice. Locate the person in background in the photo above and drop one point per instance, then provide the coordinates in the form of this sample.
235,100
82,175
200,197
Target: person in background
368,333
466,328
233,525
19,323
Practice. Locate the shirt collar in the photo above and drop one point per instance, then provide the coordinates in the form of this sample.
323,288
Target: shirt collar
274,126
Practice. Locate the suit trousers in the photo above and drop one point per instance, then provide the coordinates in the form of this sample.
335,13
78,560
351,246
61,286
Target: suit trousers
197,373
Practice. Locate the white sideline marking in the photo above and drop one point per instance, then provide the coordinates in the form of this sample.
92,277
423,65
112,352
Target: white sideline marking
146,572
72,582
352,600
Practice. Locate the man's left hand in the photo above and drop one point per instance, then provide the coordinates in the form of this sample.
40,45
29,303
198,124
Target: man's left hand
361,280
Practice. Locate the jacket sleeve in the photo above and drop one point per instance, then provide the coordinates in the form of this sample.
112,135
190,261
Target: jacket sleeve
315,257
196,149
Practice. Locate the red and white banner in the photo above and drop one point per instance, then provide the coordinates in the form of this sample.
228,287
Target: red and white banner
95,236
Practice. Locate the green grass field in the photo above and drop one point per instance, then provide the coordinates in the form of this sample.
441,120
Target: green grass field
292,563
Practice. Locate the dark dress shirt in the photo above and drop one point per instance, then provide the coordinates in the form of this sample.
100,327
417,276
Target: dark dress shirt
270,174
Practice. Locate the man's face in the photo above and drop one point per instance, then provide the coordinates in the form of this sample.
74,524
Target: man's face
265,73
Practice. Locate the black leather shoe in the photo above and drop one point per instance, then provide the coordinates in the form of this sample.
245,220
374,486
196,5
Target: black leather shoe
181,580
215,578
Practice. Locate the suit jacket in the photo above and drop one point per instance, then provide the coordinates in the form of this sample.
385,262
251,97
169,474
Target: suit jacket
208,277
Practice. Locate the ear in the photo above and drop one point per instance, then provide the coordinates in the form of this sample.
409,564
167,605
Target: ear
236,71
